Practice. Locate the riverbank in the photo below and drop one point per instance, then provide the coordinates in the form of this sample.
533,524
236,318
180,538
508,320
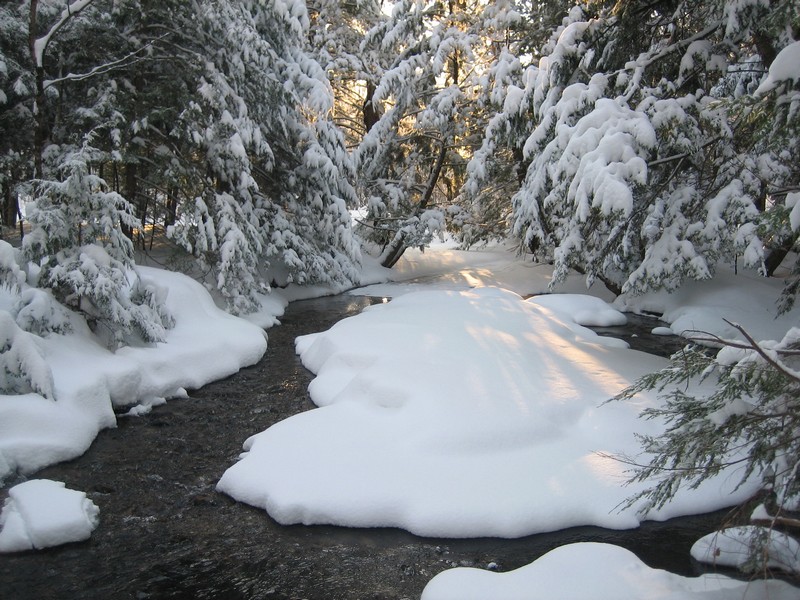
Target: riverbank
165,533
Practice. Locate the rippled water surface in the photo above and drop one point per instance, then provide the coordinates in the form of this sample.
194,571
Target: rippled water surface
166,533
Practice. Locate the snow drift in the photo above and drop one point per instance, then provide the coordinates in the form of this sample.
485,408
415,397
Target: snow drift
460,415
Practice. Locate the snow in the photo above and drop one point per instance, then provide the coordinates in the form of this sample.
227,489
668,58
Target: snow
88,380
41,513
40,44
461,414
785,67
584,310
457,409
444,267
732,548
662,331
745,298
600,571
793,203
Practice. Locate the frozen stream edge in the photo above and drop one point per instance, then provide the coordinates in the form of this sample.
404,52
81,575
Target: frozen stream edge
165,533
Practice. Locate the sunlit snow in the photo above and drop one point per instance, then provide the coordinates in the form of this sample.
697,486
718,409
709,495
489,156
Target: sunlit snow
462,414
460,410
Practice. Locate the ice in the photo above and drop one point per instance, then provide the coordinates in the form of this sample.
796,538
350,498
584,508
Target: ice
41,513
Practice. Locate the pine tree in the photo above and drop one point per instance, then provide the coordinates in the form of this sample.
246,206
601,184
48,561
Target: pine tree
84,257
748,417
640,169
411,161
273,178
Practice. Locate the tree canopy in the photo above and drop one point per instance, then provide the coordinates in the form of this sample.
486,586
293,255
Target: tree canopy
641,143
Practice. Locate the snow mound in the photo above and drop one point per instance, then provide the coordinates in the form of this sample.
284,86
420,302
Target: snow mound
603,571
88,380
41,513
459,414
584,310
732,548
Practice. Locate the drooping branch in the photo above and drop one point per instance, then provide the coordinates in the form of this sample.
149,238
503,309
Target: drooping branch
120,63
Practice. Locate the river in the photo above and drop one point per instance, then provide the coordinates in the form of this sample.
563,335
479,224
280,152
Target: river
166,533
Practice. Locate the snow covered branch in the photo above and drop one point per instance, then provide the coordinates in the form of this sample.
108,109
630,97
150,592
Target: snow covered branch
121,63
41,43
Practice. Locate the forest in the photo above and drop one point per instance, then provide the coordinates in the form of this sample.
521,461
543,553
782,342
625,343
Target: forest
643,144
639,143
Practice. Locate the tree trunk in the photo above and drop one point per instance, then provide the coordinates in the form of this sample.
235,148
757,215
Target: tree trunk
775,256
10,204
370,115
39,112
398,245
171,208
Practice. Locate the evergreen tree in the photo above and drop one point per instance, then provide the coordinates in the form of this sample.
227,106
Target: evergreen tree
84,257
211,118
642,170
497,166
411,161
76,244
749,416
273,179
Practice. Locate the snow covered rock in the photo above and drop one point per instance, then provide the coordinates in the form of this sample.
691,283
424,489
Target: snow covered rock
41,513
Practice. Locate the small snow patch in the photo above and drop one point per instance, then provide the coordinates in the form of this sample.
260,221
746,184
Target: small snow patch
662,331
734,547
41,513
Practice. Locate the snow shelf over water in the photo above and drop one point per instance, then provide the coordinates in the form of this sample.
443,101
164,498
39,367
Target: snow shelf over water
462,414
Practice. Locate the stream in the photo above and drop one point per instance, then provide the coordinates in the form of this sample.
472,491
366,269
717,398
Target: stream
166,533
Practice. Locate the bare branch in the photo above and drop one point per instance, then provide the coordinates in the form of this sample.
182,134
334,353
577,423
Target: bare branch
125,61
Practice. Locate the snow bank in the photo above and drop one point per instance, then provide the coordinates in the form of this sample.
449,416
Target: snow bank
41,513
459,414
591,571
745,298
584,310
206,344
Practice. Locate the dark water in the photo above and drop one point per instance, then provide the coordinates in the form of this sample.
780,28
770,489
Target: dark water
165,533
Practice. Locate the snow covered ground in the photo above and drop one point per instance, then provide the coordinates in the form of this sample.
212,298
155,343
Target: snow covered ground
89,380
461,414
473,412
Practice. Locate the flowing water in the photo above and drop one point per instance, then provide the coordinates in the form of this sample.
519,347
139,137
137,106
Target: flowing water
166,533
